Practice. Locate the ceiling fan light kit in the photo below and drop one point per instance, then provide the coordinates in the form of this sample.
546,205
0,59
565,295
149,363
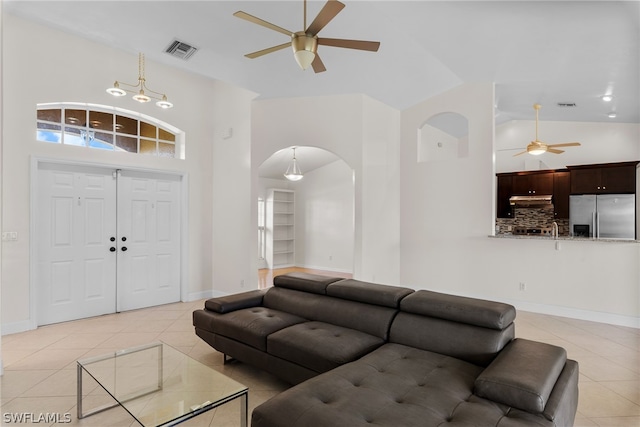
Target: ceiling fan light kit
140,95
304,48
538,147
305,43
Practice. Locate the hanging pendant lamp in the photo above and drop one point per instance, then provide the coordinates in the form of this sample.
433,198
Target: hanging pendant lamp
293,172
140,95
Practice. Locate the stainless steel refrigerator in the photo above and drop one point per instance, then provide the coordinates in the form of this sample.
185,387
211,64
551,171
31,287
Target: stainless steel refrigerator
603,216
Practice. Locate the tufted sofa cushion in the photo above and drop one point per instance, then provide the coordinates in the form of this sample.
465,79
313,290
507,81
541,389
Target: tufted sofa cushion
252,325
393,383
320,346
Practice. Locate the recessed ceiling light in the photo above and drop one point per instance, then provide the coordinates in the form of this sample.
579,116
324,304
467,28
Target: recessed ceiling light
612,115
607,98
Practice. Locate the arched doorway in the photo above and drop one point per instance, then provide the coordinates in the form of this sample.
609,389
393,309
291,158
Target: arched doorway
308,223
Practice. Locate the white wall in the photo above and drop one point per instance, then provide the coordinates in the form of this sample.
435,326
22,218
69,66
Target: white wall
33,74
324,218
1,180
447,215
362,132
378,257
601,143
234,257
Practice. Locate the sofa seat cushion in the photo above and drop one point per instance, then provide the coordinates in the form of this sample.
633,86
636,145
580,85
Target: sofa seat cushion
251,326
320,346
394,385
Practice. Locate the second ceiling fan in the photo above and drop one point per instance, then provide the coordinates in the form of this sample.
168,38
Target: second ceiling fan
305,43
538,147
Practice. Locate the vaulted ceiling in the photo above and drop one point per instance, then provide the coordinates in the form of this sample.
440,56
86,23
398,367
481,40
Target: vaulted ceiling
545,52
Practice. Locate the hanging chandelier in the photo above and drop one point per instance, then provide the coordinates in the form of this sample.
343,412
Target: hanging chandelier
293,172
139,89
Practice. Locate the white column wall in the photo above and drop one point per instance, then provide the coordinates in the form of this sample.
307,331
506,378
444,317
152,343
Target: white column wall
379,255
234,258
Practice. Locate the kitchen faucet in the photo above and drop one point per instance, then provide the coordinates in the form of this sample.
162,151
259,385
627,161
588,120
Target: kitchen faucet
554,231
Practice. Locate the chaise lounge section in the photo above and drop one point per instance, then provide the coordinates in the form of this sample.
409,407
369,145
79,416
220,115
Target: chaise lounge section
363,353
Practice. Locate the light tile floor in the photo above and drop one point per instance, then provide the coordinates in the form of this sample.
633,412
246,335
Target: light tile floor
40,365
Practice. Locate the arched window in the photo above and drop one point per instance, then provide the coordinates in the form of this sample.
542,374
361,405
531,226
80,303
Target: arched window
107,128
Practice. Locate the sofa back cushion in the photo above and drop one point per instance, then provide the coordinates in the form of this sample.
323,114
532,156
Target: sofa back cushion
371,319
465,328
472,311
307,282
371,293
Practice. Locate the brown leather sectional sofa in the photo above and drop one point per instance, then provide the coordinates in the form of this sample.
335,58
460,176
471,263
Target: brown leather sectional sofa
363,353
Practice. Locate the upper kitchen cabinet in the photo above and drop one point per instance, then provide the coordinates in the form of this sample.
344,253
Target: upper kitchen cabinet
532,183
608,178
504,193
561,190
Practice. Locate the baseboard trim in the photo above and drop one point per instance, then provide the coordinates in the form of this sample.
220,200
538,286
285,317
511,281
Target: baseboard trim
194,296
574,313
17,327
325,268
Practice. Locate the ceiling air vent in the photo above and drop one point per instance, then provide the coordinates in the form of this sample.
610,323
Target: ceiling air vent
566,104
180,49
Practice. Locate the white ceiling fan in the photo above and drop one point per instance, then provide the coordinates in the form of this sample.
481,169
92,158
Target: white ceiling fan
538,147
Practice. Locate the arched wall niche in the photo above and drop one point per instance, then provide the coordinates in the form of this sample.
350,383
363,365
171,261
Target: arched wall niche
443,137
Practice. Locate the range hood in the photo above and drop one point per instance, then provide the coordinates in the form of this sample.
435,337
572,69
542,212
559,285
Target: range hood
530,200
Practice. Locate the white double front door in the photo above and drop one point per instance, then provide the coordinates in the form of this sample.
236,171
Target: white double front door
107,240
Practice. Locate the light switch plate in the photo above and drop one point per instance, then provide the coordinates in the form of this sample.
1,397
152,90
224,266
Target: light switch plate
9,236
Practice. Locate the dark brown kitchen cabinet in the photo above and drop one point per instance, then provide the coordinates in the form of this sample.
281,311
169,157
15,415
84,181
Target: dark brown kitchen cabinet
609,178
532,183
561,191
504,193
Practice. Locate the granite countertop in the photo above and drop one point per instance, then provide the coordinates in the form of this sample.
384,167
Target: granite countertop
561,238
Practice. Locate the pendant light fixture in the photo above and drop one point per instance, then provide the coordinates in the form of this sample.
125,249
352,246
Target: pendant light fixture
140,89
293,172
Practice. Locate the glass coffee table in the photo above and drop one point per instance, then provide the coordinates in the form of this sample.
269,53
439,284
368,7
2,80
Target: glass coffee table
158,385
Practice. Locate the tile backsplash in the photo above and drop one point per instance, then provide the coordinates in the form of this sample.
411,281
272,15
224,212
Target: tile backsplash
532,217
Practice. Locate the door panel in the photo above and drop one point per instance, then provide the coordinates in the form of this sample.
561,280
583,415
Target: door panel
149,219
76,217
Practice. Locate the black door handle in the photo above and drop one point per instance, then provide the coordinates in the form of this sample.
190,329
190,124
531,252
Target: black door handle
112,249
124,249
113,239
124,239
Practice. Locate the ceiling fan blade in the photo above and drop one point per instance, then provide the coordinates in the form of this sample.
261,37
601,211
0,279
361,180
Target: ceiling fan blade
268,50
326,14
350,44
554,151
318,65
565,144
522,152
243,15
